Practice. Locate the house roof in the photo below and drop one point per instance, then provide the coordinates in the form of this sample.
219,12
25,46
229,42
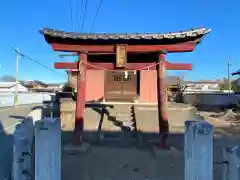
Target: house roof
173,80
236,73
32,82
201,82
54,84
52,35
7,84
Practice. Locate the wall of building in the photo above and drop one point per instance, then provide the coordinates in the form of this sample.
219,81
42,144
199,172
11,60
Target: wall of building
148,86
95,85
202,87
7,99
12,89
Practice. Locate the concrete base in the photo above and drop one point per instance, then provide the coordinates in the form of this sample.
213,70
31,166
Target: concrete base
71,148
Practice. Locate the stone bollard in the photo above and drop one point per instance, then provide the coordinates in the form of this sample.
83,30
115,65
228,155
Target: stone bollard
233,163
198,149
22,150
48,149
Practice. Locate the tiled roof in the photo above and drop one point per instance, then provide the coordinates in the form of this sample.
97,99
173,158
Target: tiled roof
201,82
32,82
173,80
193,33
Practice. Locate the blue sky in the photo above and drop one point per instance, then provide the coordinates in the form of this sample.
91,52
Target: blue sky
21,21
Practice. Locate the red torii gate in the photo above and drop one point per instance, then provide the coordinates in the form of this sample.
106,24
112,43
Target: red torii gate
97,44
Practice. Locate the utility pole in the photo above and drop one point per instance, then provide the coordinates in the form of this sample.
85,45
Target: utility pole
229,79
16,79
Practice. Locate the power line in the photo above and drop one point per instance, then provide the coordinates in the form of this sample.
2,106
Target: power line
71,13
9,46
26,57
84,14
95,18
80,16
77,16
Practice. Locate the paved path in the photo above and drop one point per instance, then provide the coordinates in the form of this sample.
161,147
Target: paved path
9,117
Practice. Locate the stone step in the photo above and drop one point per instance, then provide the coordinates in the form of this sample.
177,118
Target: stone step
123,109
125,114
128,123
120,113
120,118
124,118
110,126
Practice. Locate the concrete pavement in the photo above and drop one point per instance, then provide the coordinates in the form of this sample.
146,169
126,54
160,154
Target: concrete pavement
9,117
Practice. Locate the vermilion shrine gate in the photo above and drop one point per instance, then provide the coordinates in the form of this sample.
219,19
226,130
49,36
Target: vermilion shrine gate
122,67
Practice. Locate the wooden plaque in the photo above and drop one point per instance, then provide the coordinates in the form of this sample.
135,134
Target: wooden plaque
121,55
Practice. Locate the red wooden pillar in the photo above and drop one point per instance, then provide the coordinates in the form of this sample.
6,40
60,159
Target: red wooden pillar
162,98
80,100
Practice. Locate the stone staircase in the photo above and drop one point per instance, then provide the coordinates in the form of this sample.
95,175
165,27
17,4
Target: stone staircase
120,118
110,122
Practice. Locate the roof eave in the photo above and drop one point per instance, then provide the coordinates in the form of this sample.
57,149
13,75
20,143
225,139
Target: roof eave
55,35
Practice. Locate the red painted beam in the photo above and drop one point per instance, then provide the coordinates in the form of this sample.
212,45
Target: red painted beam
178,66
105,66
66,65
181,47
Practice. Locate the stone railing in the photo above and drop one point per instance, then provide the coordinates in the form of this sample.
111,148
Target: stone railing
37,151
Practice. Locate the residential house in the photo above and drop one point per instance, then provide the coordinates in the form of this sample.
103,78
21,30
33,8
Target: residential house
34,85
174,81
11,86
54,86
202,86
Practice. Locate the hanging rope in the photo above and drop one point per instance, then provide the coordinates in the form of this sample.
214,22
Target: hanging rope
105,69
102,68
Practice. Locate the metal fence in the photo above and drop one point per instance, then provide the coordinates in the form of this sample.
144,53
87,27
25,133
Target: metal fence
7,99
211,99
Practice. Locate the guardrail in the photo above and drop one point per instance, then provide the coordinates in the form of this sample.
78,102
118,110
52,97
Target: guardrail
7,99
